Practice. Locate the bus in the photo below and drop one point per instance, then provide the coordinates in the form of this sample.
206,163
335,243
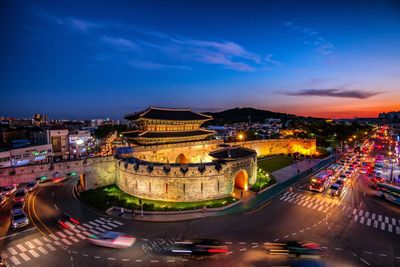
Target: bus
388,192
320,181
335,170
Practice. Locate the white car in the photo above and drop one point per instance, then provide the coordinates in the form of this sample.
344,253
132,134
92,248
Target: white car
19,220
112,240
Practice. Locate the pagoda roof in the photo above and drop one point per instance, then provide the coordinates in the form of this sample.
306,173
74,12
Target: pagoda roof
174,134
170,114
233,153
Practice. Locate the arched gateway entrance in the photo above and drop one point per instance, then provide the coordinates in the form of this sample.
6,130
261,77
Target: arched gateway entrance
242,180
182,159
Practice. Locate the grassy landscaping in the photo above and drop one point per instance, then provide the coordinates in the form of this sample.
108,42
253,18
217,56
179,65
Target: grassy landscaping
105,197
263,180
274,163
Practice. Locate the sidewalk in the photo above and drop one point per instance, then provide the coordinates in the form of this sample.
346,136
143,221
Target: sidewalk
288,172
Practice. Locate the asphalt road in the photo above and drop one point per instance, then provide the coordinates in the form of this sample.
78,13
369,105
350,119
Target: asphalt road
348,235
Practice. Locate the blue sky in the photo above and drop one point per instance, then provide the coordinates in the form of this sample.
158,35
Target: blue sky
91,59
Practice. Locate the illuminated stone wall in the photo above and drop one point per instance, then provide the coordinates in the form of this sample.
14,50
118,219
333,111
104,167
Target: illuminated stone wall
279,146
177,185
99,172
195,152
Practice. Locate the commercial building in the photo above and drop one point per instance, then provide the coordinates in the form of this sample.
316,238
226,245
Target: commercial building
31,155
60,143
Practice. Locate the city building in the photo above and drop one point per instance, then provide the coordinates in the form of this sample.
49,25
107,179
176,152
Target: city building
81,144
58,138
31,155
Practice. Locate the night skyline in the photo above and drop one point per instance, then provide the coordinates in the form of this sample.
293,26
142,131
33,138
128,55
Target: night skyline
100,59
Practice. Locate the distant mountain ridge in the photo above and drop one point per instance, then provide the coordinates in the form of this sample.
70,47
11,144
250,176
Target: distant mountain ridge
247,114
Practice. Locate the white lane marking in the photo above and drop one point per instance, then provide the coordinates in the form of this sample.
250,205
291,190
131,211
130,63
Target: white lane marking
390,228
362,220
117,222
37,241
24,257
34,253
129,260
12,251
383,226
3,254
138,260
75,230
21,247
398,230
382,255
41,249
87,233
242,249
66,241
55,206
61,234
242,243
320,208
309,205
29,244
74,239
325,210
74,252
354,211
360,212
94,231
45,239
111,259
302,230
97,257
355,218
100,229
88,225
93,223
393,221
112,225
367,263
54,236
338,248
375,224
81,236
15,260
227,243
369,221
373,216
167,260
154,260
386,219
255,246
99,221
68,232
367,214
275,240
254,243
380,218
107,227
286,236
354,254
51,247
105,219
85,255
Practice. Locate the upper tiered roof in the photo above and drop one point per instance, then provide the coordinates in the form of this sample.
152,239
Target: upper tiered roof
169,114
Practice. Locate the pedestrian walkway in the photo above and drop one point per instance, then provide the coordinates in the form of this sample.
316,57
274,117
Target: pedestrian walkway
288,172
366,218
25,251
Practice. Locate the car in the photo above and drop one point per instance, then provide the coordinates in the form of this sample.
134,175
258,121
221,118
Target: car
3,201
335,189
199,247
9,190
17,207
294,248
2,262
112,240
349,174
20,195
32,186
19,220
66,221
343,177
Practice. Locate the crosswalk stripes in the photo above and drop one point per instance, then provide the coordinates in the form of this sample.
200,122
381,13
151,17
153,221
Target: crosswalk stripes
26,251
366,218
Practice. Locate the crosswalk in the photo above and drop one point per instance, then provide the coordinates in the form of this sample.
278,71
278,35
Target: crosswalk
367,218
28,250
319,204
157,245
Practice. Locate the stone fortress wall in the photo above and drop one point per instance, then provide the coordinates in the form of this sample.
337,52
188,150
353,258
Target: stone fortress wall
183,183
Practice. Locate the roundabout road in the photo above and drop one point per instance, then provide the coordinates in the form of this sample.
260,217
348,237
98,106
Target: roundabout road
300,215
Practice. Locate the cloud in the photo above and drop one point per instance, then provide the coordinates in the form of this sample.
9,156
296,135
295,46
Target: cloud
120,42
78,24
268,59
149,65
313,38
359,94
